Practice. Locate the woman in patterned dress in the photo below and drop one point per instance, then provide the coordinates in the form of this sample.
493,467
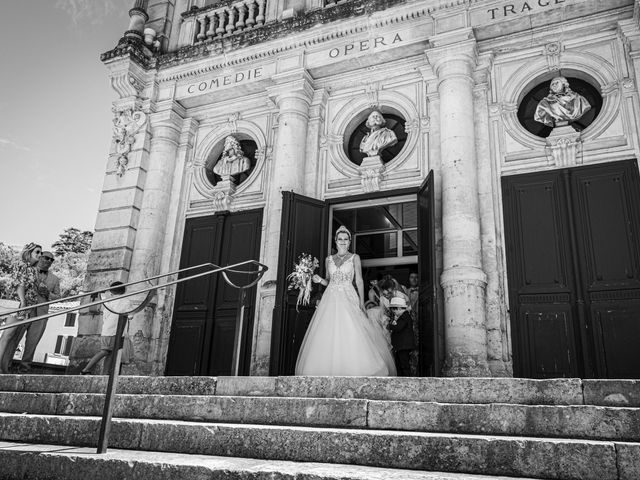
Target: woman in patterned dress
24,283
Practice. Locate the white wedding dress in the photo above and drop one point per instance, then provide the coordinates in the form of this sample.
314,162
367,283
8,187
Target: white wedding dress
341,340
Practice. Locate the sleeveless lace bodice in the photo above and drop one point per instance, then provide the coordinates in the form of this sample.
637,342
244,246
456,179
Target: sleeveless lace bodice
342,276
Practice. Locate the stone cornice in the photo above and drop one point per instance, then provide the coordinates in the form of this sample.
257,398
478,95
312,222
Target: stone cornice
279,30
135,49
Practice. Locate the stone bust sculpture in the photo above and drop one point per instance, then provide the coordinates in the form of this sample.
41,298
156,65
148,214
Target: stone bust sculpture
379,136
233,161
561,106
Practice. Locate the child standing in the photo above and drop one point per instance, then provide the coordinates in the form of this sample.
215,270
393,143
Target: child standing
402,339
108,333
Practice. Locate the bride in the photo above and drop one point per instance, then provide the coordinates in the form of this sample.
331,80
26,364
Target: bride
341,340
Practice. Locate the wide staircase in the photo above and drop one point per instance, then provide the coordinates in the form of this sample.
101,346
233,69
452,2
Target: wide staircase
311,428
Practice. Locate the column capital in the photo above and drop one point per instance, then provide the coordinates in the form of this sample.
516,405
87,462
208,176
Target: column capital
453,53
291,85
167,120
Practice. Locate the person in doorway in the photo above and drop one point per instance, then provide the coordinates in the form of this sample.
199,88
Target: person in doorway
48,289
341,340
108,332
402,339
24,283
413,292
380,315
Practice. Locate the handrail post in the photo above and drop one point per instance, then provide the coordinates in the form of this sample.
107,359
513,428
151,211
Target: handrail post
107,412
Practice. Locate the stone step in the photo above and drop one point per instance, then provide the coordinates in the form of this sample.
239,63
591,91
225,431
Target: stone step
479,454
442,390
580,421
50,462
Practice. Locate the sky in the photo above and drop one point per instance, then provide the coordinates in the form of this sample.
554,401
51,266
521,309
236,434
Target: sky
55,113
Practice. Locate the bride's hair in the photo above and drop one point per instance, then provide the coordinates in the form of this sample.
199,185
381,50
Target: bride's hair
342,229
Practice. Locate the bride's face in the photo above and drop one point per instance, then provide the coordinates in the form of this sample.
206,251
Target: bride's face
342,242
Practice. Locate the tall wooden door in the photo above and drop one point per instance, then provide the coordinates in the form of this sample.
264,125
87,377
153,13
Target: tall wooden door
204,329
429,352
303,230
573,264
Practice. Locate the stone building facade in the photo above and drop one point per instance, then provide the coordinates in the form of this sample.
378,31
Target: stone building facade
496,206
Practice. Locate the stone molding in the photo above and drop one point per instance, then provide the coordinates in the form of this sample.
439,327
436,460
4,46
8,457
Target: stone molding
363,9
127,78
355,111
222,198
463,274
293,92
596,69
454,55
371,170
563,147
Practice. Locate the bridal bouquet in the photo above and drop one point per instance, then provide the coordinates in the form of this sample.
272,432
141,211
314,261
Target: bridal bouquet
300,278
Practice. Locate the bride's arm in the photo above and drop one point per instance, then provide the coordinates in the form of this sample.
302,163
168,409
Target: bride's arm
359,282
318,279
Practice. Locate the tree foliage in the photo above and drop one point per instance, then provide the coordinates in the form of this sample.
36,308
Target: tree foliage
72,255
8,257
72,240
71,270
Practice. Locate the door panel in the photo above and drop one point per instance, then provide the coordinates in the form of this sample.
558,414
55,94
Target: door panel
205,311
240,242
539,271
429,353
606,199
193,304
617,331
573,258
550,340
303,230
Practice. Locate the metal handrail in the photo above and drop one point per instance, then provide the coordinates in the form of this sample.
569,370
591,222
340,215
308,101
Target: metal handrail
107,411
84,306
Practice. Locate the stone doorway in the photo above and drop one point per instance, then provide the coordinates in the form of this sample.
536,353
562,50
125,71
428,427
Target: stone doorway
393,233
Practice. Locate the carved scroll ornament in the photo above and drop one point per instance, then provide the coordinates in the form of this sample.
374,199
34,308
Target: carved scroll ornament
126,124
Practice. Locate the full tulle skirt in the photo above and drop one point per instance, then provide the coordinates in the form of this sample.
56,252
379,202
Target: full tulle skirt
342,341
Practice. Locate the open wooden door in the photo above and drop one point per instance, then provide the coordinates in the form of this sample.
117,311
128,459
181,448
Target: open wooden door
429,326
303,230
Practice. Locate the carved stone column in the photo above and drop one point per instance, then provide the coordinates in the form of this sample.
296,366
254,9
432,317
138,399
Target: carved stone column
463,280
146,258
292,94
488,184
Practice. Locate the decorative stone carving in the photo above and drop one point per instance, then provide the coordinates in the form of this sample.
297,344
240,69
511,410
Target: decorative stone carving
371,170
232,122
412,125
233,160
126,124
263,154
371,90
379,137
562,105
563,145
223,195
552,51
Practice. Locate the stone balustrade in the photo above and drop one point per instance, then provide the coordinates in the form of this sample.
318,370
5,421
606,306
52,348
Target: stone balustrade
229,19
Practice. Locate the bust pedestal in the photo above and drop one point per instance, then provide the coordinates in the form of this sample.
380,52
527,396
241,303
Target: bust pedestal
223,193
371,170
563,145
